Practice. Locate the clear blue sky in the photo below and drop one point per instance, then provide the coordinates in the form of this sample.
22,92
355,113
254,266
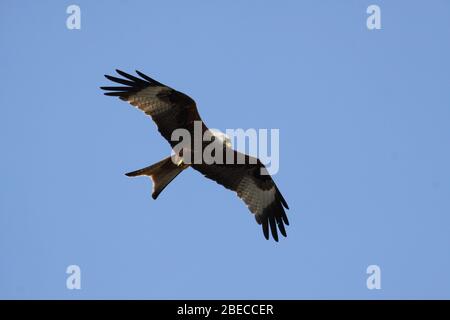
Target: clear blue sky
364,129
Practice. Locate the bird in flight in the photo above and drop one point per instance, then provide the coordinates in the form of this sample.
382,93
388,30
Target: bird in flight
172,110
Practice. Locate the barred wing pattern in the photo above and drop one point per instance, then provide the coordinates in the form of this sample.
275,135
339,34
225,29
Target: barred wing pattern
169,109
257,190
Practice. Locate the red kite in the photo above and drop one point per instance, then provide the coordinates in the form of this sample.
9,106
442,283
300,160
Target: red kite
171,110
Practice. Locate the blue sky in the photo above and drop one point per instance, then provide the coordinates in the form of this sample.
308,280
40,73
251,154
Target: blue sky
364,149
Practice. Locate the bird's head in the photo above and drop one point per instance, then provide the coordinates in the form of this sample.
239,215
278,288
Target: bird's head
222,137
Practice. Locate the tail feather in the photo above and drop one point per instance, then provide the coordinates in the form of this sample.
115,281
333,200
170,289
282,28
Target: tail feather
161,173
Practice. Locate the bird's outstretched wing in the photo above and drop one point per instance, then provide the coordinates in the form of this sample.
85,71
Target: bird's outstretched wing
169,109
257,190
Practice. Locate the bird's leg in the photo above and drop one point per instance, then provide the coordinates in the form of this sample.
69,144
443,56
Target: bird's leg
180,162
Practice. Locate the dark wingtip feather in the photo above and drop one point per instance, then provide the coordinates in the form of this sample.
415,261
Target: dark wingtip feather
265,227
273,218
144,76
114,88
130,85
283,201
122,73
115,94
107,76
283,214
121,81
131,77
273,228
281,225
285,218
282,229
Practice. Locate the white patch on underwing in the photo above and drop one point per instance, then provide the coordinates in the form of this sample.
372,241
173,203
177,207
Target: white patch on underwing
147,100
255,198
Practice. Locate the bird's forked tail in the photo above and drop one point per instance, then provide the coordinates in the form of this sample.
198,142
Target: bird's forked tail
161,173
